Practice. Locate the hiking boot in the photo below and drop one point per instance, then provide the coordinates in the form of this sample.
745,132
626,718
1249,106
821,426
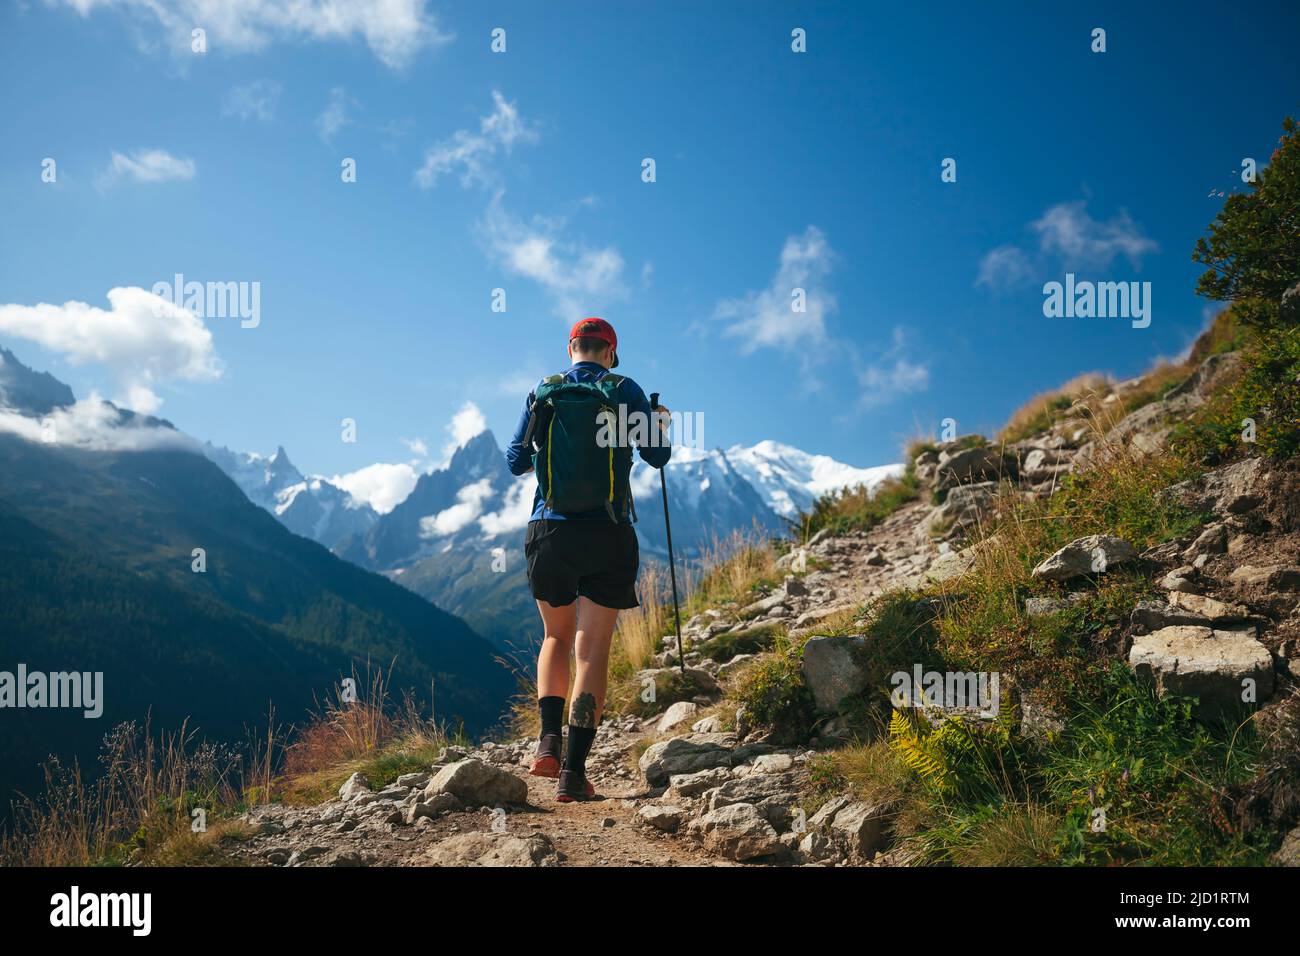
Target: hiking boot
547,761
574,786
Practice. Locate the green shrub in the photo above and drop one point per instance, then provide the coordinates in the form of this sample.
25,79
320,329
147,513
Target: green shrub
1265,393
857,509
774,695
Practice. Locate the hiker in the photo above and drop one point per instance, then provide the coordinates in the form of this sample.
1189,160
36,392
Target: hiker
580,544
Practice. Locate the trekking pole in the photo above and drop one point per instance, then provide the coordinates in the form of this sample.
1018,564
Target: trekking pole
672,565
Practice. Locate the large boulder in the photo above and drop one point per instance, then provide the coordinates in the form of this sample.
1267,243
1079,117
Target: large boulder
493,849
962,466
738,831
476,783
1231,489
1094,554
832,669
683,755
965,508
1210,664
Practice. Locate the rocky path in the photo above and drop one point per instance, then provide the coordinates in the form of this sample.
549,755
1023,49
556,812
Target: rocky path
696,785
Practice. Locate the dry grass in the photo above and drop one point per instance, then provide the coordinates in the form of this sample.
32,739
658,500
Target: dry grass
141,800
737,566
1045,409
346,729
140,806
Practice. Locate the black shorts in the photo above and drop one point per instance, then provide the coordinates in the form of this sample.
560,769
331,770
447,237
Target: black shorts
592,558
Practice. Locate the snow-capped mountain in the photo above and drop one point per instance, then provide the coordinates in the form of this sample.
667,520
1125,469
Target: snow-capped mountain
311,507
457,539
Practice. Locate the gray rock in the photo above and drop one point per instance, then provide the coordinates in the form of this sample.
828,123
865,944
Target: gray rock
476,783
1183,579
678,713
434,807
950,566
710,725
1093,554
1216,612
1213,540
832,669
1276,577
738,831
414,780
963,466
688,754
1212,665
1227,490
794,587
493,849
1152,615
859,830
776,796
343,857
773,763
355,786
965,508
1288,854
687,785
665,817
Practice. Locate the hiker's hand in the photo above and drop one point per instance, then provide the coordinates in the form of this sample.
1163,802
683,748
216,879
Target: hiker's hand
662,417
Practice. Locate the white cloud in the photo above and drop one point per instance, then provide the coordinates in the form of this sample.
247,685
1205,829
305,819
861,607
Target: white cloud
766,318
335,116
143,339
417,447
395,30
470,151
1067,230
892,374
580,279
1003,267
255,100
464,425
382,486
515,510
146,166
93,425
1069,239
468,506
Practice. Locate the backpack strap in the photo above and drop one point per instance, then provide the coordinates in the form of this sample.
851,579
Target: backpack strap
546,386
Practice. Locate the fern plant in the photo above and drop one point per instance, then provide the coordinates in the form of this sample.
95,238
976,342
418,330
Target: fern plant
951,752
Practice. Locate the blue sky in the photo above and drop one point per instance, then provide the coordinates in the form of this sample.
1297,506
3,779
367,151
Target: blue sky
774,169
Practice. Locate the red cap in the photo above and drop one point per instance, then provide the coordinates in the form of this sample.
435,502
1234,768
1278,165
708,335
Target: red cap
594,328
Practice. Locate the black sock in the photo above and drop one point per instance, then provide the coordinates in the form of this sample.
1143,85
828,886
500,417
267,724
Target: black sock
580,741
552,709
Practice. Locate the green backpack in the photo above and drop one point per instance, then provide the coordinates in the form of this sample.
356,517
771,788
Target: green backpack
574,472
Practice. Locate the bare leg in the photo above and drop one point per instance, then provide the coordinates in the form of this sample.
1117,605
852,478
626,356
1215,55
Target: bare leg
557,646
595,630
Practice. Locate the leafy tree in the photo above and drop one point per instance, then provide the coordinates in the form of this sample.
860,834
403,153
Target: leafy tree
1253,246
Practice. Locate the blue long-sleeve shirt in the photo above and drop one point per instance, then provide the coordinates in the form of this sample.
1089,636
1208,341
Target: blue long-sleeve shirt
629,394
